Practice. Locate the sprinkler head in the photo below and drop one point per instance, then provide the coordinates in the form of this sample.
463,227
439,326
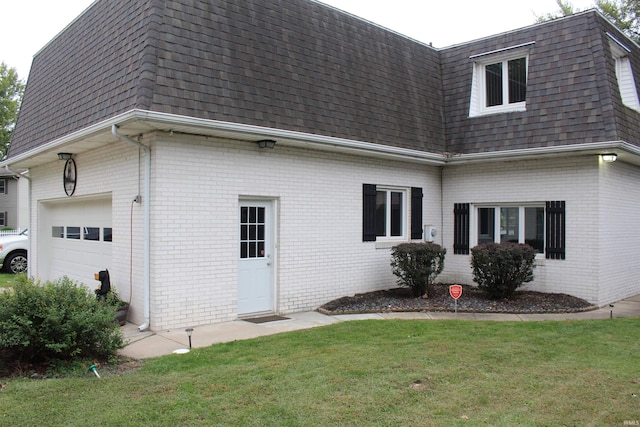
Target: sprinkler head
93,369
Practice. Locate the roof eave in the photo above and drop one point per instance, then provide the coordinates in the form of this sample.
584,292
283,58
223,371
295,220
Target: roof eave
136,122
626,152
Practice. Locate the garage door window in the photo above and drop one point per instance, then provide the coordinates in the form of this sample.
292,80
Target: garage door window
73,233
91,233
84,233
57,232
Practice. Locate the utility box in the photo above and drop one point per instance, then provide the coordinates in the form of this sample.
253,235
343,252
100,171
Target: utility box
430,233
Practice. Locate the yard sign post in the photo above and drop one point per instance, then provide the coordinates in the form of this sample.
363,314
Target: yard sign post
456,292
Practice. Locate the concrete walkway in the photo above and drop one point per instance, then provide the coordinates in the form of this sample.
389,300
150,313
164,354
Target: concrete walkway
142,345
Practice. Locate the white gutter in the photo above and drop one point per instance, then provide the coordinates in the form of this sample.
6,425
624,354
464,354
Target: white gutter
164,121
524,153
147,225
293,137
209,127
61,142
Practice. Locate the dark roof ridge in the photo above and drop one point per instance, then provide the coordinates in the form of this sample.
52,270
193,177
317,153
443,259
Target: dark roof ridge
372,23
521,29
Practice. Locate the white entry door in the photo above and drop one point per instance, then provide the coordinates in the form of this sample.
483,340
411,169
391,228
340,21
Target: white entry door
255,258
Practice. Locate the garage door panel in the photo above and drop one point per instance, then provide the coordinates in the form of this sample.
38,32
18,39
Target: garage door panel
72,237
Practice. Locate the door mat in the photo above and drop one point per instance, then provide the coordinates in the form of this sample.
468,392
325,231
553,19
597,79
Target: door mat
265,319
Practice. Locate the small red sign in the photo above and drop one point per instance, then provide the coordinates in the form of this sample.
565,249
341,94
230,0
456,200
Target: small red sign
455,291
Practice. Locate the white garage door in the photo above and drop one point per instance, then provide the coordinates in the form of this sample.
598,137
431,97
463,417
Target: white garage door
75,239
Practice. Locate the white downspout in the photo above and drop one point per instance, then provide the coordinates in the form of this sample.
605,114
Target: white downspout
147,225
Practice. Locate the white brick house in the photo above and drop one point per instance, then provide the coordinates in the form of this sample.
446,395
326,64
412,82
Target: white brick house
376,137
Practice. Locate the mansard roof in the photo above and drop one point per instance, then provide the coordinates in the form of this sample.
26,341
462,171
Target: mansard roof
301,66
288,64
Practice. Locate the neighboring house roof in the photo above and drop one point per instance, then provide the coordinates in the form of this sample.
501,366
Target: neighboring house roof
302,66
287,64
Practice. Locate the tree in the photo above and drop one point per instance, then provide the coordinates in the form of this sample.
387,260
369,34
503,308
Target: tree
566,9
11,91
625,14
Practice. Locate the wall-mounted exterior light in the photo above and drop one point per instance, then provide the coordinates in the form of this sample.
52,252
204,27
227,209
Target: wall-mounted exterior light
266,143
609,157
65,156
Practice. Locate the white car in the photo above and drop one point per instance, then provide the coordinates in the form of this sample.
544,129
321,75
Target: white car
13,252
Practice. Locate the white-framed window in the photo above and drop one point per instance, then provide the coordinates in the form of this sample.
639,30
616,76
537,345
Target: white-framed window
511,223
624,73
391,213
3,219
3,186
499,81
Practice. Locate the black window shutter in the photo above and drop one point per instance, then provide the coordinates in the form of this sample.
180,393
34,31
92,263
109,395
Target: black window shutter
368,212
416,213
461,228
555,247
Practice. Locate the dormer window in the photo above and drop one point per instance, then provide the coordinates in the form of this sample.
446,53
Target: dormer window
508,87
624,73
499,81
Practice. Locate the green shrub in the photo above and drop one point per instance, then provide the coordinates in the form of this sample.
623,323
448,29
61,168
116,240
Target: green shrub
417,265
58,320
500,268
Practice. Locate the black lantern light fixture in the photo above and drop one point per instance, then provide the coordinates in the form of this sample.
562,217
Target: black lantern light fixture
266,143
65,156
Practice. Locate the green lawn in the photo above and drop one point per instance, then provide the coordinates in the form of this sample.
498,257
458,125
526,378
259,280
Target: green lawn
389,372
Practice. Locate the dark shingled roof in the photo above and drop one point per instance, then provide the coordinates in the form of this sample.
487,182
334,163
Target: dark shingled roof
302,66
289,64
569,95
91,71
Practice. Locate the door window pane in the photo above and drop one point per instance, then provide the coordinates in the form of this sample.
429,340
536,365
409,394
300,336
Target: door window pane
252,232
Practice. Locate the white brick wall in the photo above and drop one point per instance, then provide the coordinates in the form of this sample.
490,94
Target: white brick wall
320,253
197,183
619,267
599,210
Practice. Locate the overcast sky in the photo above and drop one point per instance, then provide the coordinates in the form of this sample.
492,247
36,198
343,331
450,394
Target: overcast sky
28,25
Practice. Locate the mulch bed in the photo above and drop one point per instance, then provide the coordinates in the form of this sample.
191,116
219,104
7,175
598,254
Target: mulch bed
473,300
